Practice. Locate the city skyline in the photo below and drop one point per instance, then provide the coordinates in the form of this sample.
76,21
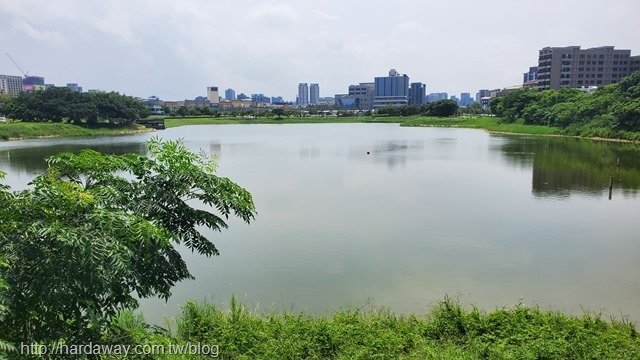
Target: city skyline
122,48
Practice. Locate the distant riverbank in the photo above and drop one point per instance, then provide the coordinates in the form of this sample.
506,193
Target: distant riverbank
35,130
489,123
32,130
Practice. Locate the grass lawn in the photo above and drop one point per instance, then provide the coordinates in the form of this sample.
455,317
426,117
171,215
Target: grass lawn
489,123
28,130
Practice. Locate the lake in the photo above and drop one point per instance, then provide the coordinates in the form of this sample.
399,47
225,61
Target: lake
381,215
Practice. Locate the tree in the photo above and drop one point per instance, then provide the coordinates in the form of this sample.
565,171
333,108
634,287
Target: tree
96,229
278,112
442,108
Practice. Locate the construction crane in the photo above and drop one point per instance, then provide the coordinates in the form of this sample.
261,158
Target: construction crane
18,66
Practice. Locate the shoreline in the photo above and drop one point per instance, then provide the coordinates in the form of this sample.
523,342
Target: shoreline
528,134
404,122
75,132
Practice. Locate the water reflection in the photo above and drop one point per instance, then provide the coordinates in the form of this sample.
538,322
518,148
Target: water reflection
392,153
33,160
565,166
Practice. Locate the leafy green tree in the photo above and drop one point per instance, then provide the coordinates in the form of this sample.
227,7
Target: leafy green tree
442,108
182,111
96,232
278,112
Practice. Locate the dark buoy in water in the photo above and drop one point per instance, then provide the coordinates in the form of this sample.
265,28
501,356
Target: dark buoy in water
368,153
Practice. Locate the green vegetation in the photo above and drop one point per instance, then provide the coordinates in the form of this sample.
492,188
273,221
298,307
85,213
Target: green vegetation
59,104
440,108
489,123
612,111
447,331
174,122
28,130
97,232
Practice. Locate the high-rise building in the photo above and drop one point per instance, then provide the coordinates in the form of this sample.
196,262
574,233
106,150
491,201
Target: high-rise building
364,94
392,90
455,99
260,99
277,100
346,101
433,97
229,94
213,96
10,84
303,94
562,67
417,93
482,93
314,94
530,75
465,99
635,63
33,80
242,96
74,87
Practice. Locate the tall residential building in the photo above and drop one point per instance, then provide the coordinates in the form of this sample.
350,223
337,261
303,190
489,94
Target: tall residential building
392,90
364,94
314,94
242,96
482,93
530,75
635,63
229,94
260,98
433,97
33,80
466,99
74,87
303,94
417,93
562,67
213,96
10,84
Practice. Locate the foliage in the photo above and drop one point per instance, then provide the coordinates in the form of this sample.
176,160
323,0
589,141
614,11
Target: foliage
447,331
440,108
58,104
614,107
278,112
96,232
27,130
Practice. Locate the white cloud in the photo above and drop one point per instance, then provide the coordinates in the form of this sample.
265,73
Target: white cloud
273,15
323,15
42,36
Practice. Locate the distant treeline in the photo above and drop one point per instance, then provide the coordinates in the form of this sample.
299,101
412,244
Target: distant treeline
610,111
59,104
440,108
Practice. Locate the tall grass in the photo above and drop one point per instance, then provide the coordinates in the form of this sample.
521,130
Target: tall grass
447,331
29,130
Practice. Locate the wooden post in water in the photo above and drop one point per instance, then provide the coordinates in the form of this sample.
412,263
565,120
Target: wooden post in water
610,186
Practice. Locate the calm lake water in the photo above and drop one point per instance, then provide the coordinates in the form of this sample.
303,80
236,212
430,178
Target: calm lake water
355,214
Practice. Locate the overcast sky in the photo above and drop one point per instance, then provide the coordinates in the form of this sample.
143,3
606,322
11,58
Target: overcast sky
174,49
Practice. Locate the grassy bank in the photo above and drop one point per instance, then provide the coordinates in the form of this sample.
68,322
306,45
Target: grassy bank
23,130
489,123
447,331
208,120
